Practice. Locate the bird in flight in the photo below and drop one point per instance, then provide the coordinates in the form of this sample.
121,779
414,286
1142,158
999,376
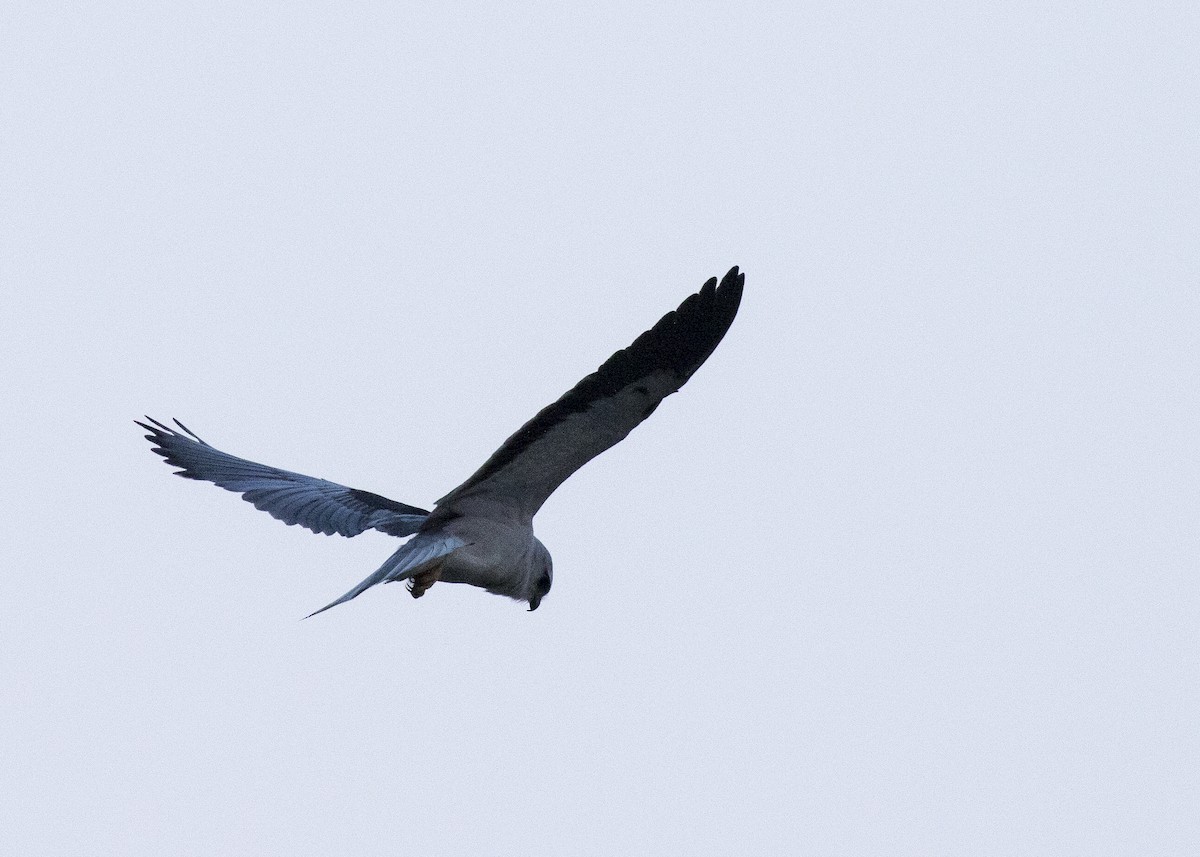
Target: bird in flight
481,533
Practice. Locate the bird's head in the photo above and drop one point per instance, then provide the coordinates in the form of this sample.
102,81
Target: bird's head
543,576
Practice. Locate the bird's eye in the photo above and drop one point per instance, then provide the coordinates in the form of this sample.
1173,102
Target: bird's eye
544,583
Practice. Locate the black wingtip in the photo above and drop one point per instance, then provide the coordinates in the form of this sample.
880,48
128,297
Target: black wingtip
157,430
189,432
160,430
733,280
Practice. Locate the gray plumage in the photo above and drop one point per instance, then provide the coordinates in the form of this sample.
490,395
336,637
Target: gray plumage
481,533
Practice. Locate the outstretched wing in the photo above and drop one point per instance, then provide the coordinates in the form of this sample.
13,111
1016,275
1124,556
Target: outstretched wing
606,405
321,506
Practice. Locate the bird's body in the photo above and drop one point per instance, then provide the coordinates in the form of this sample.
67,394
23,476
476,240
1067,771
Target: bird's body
502,556
481,533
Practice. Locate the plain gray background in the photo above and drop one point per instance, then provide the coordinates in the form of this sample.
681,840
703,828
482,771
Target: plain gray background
909,567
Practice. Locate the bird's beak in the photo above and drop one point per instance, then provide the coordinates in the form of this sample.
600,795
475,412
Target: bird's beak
533,604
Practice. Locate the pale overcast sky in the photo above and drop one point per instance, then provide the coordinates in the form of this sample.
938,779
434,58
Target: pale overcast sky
911,566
